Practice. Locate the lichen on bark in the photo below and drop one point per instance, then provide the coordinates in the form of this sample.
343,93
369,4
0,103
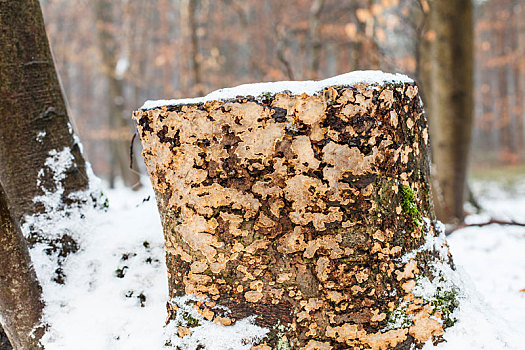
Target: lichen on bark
301,210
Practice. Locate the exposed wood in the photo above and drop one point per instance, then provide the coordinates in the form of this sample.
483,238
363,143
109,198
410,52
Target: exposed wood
297,208
20,293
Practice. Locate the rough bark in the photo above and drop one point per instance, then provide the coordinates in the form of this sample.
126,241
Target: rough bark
448,88
33,115
20,293
298,209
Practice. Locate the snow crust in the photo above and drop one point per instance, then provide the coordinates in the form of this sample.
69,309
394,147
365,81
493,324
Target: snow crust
309,87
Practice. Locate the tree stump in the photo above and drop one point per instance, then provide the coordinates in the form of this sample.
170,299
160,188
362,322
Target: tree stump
309,208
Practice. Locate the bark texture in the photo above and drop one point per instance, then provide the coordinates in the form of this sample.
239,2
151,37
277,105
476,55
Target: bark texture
446,68
298,209
33,115
20,293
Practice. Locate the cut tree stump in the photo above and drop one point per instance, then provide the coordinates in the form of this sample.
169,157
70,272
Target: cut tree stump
310,210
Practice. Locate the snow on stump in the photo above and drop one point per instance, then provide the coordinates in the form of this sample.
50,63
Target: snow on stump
305,205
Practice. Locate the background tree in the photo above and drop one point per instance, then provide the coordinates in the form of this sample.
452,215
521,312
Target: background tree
447,76
115,64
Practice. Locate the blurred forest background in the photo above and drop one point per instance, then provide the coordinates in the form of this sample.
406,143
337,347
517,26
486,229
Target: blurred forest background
112,55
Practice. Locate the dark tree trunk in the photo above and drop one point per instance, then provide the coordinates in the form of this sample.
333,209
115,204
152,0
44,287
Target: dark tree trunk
20,294
297,209
447,72
33,115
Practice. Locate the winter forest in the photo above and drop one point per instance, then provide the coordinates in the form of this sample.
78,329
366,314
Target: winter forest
262,174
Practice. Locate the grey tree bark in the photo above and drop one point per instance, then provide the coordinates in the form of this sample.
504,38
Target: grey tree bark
20,293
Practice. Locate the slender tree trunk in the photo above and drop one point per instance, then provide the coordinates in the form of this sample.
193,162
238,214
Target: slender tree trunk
315,40
118,144
449,89
20,293
194,47
33,115
296,209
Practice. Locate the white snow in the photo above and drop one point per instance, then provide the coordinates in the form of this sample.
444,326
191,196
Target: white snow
121,67
96,309
40,136
57,163
309,87
240,336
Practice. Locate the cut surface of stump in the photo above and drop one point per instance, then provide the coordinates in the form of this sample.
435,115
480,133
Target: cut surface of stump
304,204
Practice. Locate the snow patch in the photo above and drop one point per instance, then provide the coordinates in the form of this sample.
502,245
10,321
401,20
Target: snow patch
209,335
309,87
40,136
58,162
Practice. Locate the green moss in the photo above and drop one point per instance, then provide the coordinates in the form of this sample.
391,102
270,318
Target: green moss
278,337
190,320
445,302
268,95
398,319
407,198
282,342
121,272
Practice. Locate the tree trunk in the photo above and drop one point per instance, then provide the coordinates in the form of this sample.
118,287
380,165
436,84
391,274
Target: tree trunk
314,31
118,144
194,46
449,90
33,116
297,209
20,294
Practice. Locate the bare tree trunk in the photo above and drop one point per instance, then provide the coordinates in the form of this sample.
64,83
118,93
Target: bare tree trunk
194,47
315,40
33,115
449,89
20,293
296,209
119,143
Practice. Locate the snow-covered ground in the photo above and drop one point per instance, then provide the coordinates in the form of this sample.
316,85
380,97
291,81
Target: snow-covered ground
116,287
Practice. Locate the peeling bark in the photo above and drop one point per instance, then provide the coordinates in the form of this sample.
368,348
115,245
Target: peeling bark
20,293
298,209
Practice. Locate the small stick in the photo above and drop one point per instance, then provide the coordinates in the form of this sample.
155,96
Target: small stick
490,222
131,150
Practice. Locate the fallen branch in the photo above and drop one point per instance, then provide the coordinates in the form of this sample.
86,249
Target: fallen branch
486,223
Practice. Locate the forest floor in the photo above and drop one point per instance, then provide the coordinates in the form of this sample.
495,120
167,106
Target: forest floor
116,287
